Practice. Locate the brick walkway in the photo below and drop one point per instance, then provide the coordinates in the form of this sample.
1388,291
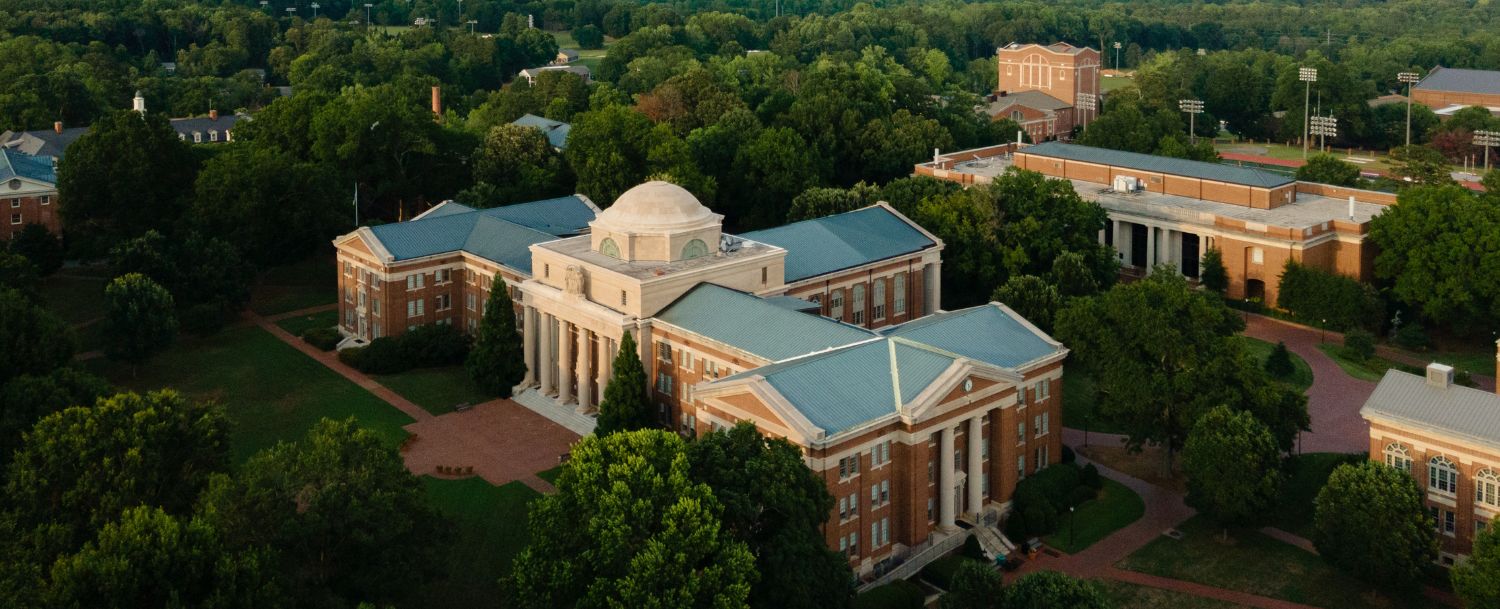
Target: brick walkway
499,439
1334,400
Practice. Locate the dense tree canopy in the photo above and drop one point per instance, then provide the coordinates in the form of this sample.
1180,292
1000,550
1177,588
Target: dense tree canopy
1233,467
1436,249
128,174
1370,521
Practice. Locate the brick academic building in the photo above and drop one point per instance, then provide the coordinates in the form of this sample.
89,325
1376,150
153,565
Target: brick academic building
827,332
1170,211
1042,87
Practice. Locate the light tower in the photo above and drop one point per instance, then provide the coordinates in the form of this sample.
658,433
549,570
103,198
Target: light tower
1324,126
1309,76
1089,103
1193,107
315,11
1486,139
1117,59
1409,78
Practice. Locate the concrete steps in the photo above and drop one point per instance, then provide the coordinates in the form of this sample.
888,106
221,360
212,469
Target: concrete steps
993,542
565,415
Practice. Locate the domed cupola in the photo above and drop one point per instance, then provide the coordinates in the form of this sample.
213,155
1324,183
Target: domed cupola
656,222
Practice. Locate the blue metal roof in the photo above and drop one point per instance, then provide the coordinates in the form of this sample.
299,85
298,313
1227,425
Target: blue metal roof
556,131
841,241
502,234
1244,176
741,320
984,333
14,164
447,208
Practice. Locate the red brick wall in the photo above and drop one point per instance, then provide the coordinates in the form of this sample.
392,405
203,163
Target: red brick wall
18,211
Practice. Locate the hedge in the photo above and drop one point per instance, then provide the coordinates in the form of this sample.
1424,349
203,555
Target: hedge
1042,497
899,594
1313,296
421,347
325,339
940,572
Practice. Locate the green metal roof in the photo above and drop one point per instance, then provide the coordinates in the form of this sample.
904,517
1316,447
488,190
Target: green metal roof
501,234
1244,176
15,164
985,333
741,320
841,241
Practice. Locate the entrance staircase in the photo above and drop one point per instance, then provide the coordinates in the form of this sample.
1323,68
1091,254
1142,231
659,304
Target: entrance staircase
565,415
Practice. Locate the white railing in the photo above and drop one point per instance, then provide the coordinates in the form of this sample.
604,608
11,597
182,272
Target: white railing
919,556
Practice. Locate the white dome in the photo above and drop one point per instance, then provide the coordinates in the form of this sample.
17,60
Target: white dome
656,207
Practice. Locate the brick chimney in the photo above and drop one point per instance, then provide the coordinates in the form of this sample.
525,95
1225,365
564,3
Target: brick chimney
57,126
437,102
213,114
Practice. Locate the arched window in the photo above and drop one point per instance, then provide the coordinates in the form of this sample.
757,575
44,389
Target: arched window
1487,488
1398,457
609,248
857,306
1017,116
1036,72
878,300
1442,475
694,249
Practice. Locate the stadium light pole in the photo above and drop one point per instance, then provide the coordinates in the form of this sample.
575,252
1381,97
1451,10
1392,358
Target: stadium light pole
1486,139
471,23
265,5
315,11
1309,76
1408,78
1117,59
1324,126
291,12
367,15
1193,107
1089,103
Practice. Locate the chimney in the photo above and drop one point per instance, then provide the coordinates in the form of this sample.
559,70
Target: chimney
437,102
1439,375
213,114
57,126
1351,207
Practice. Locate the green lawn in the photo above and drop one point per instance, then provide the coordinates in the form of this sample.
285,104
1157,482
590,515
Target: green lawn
272,391
1301,378
1078,404
297,325
74,297
1109,84
586,57
1369,370
550,475
1305,477
436,390
295,286
1132,596
1254,563
490,530
1116,507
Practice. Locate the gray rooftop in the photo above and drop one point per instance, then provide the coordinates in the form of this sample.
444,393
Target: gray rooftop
1028,99
1453,411
42,142
1461,80
581,248
1244,176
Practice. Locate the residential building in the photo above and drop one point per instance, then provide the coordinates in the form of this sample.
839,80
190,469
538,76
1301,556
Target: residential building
1448,90
581,71
1047,89
556,131
827,332
565,57
28,193
1447,437
1170,211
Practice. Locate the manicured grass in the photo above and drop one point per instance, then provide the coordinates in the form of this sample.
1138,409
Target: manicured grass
436,390
74,297
1133,596
296,286
1116,507
1302,376
271,391
490,530
1110,84
1368,370
586,57
1257,564
297,325
1078,404
1306,475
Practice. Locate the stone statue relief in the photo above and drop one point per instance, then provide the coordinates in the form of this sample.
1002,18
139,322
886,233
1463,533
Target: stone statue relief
575,280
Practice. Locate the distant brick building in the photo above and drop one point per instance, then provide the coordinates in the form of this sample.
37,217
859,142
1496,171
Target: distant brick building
1447,90
1042,87
28,193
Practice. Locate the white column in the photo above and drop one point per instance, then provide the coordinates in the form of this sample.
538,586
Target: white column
606,363
544,352
975,467
585,365
1120,247
945,480
564,362
528,343
1150,248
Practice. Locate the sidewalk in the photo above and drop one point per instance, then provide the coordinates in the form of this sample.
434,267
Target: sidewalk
1334,400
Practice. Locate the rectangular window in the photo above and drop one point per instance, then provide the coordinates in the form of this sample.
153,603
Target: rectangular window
885,492
853,506
874,535
874,496
46,199
15,218
764,275
1450,522
687,392
15,203
546,270
1020,467
885,531
898,285
857,305
471,277
1021,432
877,312
931,471
836,305
623,298
664,352
687,360
854,544
443,302
1036,425
416,281
843,508
664,383
442,276
1046,424
469,301
984,485
348,270
930,504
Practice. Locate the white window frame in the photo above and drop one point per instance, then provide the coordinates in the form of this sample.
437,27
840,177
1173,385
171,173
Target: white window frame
1442,475
1487,488
877,300
836,304
857,304
1398,456
898,286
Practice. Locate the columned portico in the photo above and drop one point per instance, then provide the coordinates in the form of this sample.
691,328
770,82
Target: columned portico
946,480
975,464
564,362
606,363
544,352
528,344
585,363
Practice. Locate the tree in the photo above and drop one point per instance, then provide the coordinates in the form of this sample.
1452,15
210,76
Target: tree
497,362
1031,297
36,341
1477,580
1213,276
347,519
1279,362
769,171
1320,297
975,585
1369,521
138,319
776,506
521,165
1232,467
588,37
1159,351
18,273
39,246
1047,589
207,280
822,202
1420,165
1328,169
150,558
625,406
271,207
615,148
629,527
1435,248
26,399
128,174
1072,276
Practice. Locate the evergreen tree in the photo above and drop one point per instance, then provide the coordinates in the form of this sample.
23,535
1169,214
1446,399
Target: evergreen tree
625,406
1211,273
497,361
1279,363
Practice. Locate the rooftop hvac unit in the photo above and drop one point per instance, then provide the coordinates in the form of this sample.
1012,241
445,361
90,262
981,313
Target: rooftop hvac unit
1127,184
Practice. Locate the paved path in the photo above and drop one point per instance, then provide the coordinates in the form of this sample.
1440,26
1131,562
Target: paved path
501,440
1334,400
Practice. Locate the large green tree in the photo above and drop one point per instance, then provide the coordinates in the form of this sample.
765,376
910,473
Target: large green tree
519,164
625,406
975,585
1369,520
206,277
25,399
777,507
629,526
128,174
270,206
1477,580
348,521
39,245
1048,589
615,148
497,360
1233,467
36,341
1436,248
1032,297
1328,169
138,320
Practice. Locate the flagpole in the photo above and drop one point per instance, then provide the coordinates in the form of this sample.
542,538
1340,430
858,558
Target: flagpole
356,204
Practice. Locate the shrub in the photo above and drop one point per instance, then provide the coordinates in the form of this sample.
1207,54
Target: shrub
1081,495
1359,344
325,339
1068,456
1039,500
899,594
1313,296
381,356
1462,377
1412,336
422,347
1279,363
1090,477
940,572
972,549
